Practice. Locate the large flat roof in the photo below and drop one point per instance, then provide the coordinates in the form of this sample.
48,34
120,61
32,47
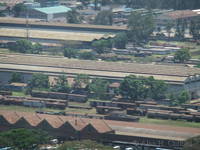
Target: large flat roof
53,10
54,35
12,20
173,73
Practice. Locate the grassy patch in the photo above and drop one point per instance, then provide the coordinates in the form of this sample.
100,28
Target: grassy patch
179,123
4,50
18,94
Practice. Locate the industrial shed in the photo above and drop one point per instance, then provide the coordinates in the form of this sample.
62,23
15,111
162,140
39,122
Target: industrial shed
178,77
50,13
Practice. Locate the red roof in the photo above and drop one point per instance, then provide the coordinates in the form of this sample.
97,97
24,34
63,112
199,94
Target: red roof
182,14
55,121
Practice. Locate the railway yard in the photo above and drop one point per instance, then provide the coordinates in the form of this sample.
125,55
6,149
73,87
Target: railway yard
76,113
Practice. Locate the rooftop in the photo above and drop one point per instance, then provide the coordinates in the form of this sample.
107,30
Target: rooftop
55,121
102,126
182,14
53,10
178,73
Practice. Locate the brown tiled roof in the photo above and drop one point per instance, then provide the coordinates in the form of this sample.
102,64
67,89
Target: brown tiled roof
55,121
182,14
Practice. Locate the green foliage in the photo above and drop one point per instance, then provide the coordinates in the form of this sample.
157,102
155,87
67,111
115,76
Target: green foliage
104,17
25,46
23,138
181,26
180,99
87,55
80,81
85,144
194,27
73,17
169,27
101,46
16,77
99,87
182,55
38,81
140,27
61,85
134,88
192,143
120,40
18,8
70,53
160,4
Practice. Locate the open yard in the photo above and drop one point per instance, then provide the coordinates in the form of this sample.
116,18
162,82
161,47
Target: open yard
179,123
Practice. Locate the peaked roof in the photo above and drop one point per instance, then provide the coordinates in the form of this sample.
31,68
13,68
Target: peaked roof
54,121
53,10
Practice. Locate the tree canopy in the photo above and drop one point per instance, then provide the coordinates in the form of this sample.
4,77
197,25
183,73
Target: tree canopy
16,77
134,88
140,27
73,17
101,46
61,85
192,143
18,8
99,87
182,55
121,40
85,144
23,139
39,81
25,46
104,17
70,52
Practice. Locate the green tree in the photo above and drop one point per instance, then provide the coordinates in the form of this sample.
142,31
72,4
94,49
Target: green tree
183,97
181,26
168,28
195,29
182,55
120,40
80,81
22,46
70,53
25,46
134,88
61,85
18,8
73,17
87,55
23,139
140,27
104,17
179,99
37,48
101,46
192,143
157,88
16,77
39,81
99,87
85,144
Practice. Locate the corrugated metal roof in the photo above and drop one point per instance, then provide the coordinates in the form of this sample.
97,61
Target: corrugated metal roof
53,10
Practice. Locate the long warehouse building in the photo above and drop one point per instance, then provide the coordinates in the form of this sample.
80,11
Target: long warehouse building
179,77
